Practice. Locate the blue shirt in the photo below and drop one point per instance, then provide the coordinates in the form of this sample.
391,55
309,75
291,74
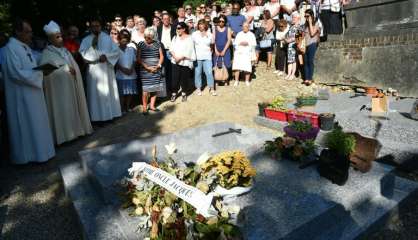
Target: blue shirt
235,22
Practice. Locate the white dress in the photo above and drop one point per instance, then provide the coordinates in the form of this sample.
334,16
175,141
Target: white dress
30,133
102,90
243,55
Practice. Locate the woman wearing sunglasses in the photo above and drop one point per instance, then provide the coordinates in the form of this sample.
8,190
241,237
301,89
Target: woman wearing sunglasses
182,57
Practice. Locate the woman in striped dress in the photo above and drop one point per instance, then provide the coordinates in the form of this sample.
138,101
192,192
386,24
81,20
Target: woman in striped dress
150,59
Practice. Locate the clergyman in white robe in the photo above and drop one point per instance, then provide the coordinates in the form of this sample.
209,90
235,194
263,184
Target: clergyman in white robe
102,90
64,95
29,129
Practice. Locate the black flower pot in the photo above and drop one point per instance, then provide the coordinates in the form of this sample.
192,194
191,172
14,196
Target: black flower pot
261,107
326,121
334,167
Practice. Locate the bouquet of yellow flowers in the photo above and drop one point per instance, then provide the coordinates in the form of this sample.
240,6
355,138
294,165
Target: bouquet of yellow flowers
231,169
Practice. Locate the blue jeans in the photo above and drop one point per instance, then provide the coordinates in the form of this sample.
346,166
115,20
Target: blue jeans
309,61
206,65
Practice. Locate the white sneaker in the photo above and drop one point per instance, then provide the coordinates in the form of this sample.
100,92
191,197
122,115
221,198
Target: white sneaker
276,71
280,73
247,83
199,93
236,84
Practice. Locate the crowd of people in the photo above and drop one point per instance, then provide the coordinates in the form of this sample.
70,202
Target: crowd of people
55,89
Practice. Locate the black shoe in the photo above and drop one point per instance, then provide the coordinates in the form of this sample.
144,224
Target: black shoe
173,98
145,113
155,110
184,98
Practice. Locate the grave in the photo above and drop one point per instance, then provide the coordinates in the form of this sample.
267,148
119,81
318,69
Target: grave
396,131
285,202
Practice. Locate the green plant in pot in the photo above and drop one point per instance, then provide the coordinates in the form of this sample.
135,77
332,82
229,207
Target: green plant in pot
261,107
306,99
279,103
334,162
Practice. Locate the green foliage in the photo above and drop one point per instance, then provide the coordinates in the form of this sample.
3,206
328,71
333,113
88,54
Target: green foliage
301,126
5,25
278,103
340,142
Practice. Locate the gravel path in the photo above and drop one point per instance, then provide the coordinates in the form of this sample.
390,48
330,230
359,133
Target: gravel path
32,198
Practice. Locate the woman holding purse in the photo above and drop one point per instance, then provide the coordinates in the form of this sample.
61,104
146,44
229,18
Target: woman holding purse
223,39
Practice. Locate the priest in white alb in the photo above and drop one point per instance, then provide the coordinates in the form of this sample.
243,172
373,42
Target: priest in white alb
30,134
101,55
64,91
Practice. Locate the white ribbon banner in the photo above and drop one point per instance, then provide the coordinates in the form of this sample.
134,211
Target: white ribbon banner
191,195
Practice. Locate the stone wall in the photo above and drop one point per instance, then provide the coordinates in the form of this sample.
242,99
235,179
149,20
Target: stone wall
381,51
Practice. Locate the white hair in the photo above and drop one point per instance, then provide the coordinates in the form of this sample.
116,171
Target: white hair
150,31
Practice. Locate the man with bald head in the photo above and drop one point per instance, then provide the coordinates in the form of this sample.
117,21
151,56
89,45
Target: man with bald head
30,134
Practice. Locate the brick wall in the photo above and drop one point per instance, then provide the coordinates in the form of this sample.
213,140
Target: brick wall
352,48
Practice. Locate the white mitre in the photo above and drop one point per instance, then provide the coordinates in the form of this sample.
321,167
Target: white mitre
52,28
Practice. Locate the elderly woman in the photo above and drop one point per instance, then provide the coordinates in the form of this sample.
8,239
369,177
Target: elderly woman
202,40
138,33
125,71
182,57
294,30
150,58
244,53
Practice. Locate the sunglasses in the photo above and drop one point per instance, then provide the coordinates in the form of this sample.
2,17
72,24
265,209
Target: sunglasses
307,16
221,21
114,33
118,19
188,9
179,28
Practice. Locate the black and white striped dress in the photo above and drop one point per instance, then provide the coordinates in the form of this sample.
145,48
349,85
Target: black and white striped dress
150,56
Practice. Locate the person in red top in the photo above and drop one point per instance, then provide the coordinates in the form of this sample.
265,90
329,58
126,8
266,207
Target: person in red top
71,42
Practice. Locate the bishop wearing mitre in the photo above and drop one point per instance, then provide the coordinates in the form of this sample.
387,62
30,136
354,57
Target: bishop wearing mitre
101,54
64,91
29,130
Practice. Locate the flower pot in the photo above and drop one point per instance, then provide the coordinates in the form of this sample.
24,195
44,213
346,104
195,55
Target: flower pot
303,136
365,152
334,167
371,91
261,107
306,101
275,114
326,121
313,118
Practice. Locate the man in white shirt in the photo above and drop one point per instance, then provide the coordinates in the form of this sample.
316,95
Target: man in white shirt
189,13
165,33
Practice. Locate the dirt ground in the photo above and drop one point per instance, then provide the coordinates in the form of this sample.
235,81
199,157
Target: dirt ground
32,199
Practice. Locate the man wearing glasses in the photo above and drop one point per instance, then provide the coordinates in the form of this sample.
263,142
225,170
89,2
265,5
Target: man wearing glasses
118,22
189,13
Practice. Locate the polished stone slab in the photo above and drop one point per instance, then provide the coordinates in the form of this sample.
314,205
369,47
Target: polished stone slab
285,202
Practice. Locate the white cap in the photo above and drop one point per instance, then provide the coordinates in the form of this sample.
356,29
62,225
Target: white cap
52,28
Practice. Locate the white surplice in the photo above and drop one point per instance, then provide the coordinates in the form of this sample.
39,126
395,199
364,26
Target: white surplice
30,134
64,95
102,90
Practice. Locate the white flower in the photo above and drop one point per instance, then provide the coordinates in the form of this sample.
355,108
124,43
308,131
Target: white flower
203,158
171,148
167,211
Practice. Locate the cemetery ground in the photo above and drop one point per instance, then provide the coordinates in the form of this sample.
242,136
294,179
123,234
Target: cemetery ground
32,198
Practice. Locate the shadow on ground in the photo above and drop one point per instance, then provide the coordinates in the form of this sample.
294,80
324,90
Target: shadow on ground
32,199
